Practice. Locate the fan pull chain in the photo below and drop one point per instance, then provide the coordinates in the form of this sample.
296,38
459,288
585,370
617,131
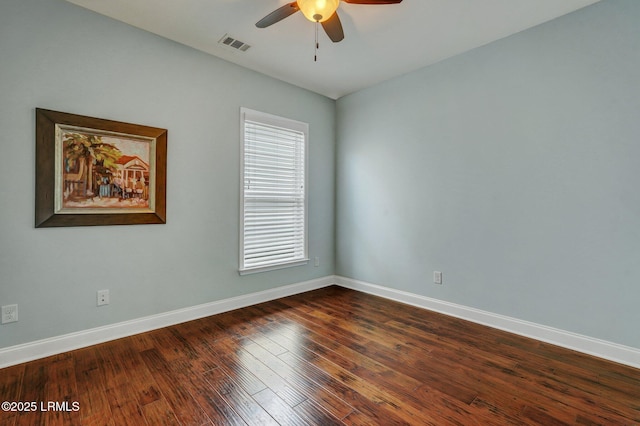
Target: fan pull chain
315,56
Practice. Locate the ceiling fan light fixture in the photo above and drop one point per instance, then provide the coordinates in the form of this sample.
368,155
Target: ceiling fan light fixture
318,10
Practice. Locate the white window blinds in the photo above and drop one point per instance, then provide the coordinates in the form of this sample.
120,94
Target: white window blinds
273,217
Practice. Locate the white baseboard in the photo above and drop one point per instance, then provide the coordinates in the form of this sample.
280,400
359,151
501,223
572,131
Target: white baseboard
55,345
588,345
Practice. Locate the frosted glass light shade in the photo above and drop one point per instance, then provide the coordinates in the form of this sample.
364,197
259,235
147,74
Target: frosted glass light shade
318,10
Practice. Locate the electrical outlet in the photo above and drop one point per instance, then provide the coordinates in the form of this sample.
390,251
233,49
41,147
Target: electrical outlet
316,261
103,297
9,313
437,277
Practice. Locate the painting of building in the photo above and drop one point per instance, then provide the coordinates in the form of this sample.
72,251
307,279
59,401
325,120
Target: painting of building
104,172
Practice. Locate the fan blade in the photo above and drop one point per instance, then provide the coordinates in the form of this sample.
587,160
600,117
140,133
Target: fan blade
333,28
373,1
278,15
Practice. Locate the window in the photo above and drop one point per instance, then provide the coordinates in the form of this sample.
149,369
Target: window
273,217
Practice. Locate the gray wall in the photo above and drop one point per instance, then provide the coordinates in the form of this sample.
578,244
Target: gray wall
58,56
514,169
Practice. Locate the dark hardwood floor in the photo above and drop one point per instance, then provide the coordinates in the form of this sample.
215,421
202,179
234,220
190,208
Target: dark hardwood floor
327,357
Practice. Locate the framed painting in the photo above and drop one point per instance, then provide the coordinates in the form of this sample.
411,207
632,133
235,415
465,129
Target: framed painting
91,171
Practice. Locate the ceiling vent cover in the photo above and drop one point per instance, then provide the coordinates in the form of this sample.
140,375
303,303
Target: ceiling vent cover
232,43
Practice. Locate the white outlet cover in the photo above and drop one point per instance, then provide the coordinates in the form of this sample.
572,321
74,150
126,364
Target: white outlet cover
9,314
102,297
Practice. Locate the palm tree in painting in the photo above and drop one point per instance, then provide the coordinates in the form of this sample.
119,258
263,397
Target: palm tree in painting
86,155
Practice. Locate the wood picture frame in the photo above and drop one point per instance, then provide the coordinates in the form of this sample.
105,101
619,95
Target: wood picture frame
91,171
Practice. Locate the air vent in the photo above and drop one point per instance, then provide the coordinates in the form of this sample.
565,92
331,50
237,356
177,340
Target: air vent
233,43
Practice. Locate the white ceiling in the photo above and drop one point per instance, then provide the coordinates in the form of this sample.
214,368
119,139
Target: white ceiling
381,41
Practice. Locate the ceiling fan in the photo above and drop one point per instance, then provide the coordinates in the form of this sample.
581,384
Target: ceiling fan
319,11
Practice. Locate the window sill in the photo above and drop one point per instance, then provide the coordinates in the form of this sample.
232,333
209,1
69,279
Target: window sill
249,271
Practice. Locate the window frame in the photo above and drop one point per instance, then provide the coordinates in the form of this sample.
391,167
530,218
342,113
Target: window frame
267,119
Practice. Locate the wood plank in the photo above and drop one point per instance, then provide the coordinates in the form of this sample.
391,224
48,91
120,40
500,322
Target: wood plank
159,413
315,415
179,398
213,405
228,352
10,386
90,379
36,377
236,397
62,402
281,412
124,407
